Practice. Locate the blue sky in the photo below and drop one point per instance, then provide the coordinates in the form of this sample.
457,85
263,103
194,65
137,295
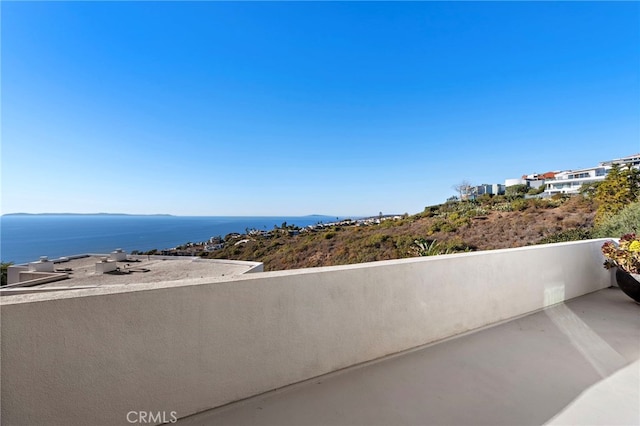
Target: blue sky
286,108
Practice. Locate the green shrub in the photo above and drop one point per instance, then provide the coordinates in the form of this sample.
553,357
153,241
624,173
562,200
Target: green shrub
430,211
376,240
627,221
497,199
390,223
448,227
576,234
519,204
403,244
536,191
556,202
477,211
484,199
502,207
423,247
516,191
544,203
437,225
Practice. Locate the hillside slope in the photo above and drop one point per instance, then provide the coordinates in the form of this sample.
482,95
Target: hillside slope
457,226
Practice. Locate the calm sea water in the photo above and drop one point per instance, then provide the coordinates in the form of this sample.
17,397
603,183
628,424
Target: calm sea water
26,238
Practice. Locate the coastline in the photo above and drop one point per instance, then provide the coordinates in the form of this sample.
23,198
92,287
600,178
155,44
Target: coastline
27,237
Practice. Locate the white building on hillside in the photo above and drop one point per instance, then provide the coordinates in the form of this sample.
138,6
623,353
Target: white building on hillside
633,160
570,181
491,189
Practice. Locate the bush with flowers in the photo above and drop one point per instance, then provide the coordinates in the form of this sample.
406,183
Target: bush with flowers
625,255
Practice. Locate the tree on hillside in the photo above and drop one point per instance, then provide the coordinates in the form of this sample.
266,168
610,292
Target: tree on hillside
463,189
516,191
536,191
620,188
588,190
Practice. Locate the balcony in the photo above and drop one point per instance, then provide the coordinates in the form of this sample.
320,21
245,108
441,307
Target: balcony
568,364
516,336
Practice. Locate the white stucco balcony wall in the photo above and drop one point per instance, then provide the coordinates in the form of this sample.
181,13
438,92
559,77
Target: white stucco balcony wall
82,357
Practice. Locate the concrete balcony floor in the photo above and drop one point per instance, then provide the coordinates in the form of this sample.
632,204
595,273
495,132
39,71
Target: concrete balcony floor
575,363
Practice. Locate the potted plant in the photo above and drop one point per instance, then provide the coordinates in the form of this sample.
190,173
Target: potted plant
625,257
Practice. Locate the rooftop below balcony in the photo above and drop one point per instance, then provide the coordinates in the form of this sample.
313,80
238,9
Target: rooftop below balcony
117,268
572,363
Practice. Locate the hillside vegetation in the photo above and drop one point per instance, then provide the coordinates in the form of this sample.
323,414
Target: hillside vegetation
608,208
485,224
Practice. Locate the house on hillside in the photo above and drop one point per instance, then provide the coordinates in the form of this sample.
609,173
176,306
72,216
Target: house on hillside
556,182
570,181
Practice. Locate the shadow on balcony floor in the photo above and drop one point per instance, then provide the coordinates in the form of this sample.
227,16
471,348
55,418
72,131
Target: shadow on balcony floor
521,372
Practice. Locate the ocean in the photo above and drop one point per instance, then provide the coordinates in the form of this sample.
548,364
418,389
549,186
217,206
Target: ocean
25,238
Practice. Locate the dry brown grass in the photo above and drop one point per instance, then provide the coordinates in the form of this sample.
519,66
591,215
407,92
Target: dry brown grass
394,239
